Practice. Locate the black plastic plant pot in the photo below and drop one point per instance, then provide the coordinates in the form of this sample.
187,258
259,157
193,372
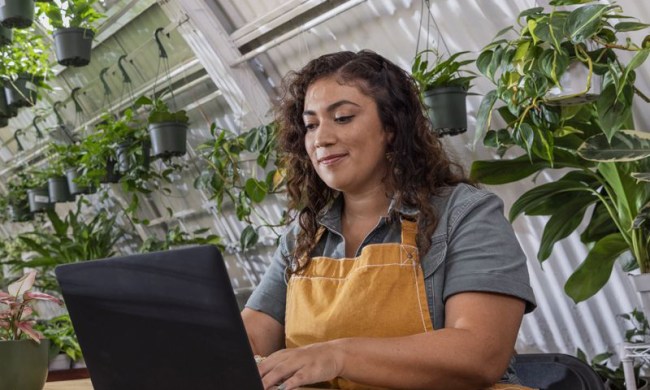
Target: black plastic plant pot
19,212
21,92
123,157
4,122
73,46
58,189
17,13
112,174
447,110
75,189
168,139
39,200
6,36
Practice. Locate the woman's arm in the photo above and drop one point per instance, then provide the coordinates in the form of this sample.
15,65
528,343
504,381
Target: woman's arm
471,352
265,334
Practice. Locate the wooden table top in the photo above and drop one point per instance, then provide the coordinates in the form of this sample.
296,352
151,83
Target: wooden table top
80,384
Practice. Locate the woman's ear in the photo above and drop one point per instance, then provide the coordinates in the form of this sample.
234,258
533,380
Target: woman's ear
390,136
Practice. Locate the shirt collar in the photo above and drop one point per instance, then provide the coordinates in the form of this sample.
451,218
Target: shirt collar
331,217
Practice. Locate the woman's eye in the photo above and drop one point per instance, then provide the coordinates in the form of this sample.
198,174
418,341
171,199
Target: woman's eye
310,126
344,119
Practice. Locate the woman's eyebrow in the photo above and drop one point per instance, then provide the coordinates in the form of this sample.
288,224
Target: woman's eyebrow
331,107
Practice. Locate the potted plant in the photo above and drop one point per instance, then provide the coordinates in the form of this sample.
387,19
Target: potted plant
17,13
614,378
72,21
6,36
74,238
16,199
63,340
607,167
443,90
167,129
25,66
38,194
22,352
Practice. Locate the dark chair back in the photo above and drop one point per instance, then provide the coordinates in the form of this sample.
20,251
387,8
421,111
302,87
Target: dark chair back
556,371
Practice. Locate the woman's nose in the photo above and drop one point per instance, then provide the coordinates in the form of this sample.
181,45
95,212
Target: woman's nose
324,136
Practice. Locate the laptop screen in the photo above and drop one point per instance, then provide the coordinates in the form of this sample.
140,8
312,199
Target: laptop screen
163,320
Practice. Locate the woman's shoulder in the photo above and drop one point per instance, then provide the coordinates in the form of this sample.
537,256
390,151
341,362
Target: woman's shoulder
460,195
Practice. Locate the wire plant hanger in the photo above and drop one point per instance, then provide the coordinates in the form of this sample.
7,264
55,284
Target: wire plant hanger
442,84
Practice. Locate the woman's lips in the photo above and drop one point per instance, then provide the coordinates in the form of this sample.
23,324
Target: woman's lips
331,159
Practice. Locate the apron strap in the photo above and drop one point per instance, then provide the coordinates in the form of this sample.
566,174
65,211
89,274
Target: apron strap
409,232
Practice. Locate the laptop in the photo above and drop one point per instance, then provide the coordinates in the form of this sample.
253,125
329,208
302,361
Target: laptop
156,321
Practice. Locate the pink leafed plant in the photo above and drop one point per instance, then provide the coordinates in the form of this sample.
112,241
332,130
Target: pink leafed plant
15,321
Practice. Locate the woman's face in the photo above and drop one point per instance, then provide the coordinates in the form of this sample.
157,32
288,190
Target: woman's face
345,139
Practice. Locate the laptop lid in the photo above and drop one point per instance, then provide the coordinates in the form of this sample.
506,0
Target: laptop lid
155,321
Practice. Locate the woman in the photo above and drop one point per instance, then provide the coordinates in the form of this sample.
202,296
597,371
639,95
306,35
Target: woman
396,273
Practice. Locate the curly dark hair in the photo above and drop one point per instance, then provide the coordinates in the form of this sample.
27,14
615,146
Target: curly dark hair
418,165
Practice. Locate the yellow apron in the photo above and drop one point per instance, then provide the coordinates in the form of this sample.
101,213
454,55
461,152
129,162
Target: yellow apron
378,294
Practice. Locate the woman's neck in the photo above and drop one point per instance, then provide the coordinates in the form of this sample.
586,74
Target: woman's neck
371,204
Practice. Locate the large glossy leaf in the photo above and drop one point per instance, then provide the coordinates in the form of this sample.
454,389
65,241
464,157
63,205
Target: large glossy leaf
624,191
600,225
256,190
596,269
562,223
551,30
625,145
505,171
584,22
484,116
575,181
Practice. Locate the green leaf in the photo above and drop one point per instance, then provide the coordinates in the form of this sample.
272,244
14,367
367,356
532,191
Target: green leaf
484,116
639,58
596,269
630,26
505,171
526,135
585,22
256,139
570,2
612,112
563,222
575,181
256,190
625,145
249,237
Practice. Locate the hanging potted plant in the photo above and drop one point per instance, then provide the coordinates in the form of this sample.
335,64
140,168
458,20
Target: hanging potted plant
6,36
38,194
25,64
608,168
23,352
443,90
17,206
17,13
72,21
167,129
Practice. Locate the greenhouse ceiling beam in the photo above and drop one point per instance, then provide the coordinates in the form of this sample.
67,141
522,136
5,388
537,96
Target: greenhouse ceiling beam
305,27
212,45
117,20
272,20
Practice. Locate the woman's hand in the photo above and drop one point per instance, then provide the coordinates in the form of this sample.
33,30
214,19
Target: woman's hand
296,367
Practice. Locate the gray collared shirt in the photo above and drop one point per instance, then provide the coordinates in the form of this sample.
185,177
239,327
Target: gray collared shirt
473,248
